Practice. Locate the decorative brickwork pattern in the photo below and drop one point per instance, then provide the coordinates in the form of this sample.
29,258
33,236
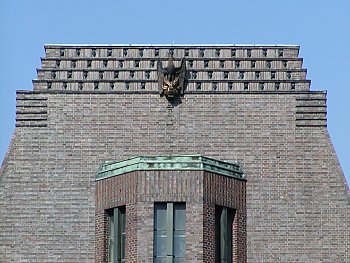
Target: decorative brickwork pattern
191,187
133,68
31,111
298,205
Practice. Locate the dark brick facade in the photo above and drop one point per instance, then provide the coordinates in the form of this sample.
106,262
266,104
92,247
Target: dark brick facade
201,191
220,190
297,197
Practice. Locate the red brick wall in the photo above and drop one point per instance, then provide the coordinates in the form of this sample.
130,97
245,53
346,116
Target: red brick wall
141,189
297,200
113,192
228,192
101,241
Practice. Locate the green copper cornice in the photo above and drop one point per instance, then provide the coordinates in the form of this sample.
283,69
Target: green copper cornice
173,162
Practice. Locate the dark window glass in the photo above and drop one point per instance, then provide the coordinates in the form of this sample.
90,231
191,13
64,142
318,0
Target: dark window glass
169,233
111,238
223,234
116,235
160,231
179,230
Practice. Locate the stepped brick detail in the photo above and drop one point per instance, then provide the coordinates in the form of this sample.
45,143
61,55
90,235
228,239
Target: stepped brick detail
247,103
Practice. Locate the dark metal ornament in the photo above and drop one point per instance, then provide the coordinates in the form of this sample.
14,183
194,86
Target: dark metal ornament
171,80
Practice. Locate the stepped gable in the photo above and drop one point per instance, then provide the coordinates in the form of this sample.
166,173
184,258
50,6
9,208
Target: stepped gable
211,69
133,68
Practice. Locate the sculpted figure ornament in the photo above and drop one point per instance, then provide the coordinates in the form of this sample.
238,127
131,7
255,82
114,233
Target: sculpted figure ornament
171,80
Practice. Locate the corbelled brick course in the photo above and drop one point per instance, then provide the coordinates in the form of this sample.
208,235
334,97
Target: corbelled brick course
297,198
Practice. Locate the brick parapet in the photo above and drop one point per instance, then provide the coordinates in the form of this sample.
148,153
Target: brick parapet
210,68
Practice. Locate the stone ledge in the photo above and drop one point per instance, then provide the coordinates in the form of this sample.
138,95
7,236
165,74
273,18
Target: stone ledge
195,46
164,58
156,81
176,162
134,92
189,69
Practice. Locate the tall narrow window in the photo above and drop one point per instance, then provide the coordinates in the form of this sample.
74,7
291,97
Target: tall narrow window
116,235
169,233
223,234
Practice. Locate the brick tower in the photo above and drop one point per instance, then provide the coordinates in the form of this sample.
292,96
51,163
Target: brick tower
247,104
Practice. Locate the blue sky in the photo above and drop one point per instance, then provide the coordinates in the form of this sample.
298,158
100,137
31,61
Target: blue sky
321,28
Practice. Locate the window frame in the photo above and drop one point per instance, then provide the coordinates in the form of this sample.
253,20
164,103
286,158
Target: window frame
116,234
224,235
171,232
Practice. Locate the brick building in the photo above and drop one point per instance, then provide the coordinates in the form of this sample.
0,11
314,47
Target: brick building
101,167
